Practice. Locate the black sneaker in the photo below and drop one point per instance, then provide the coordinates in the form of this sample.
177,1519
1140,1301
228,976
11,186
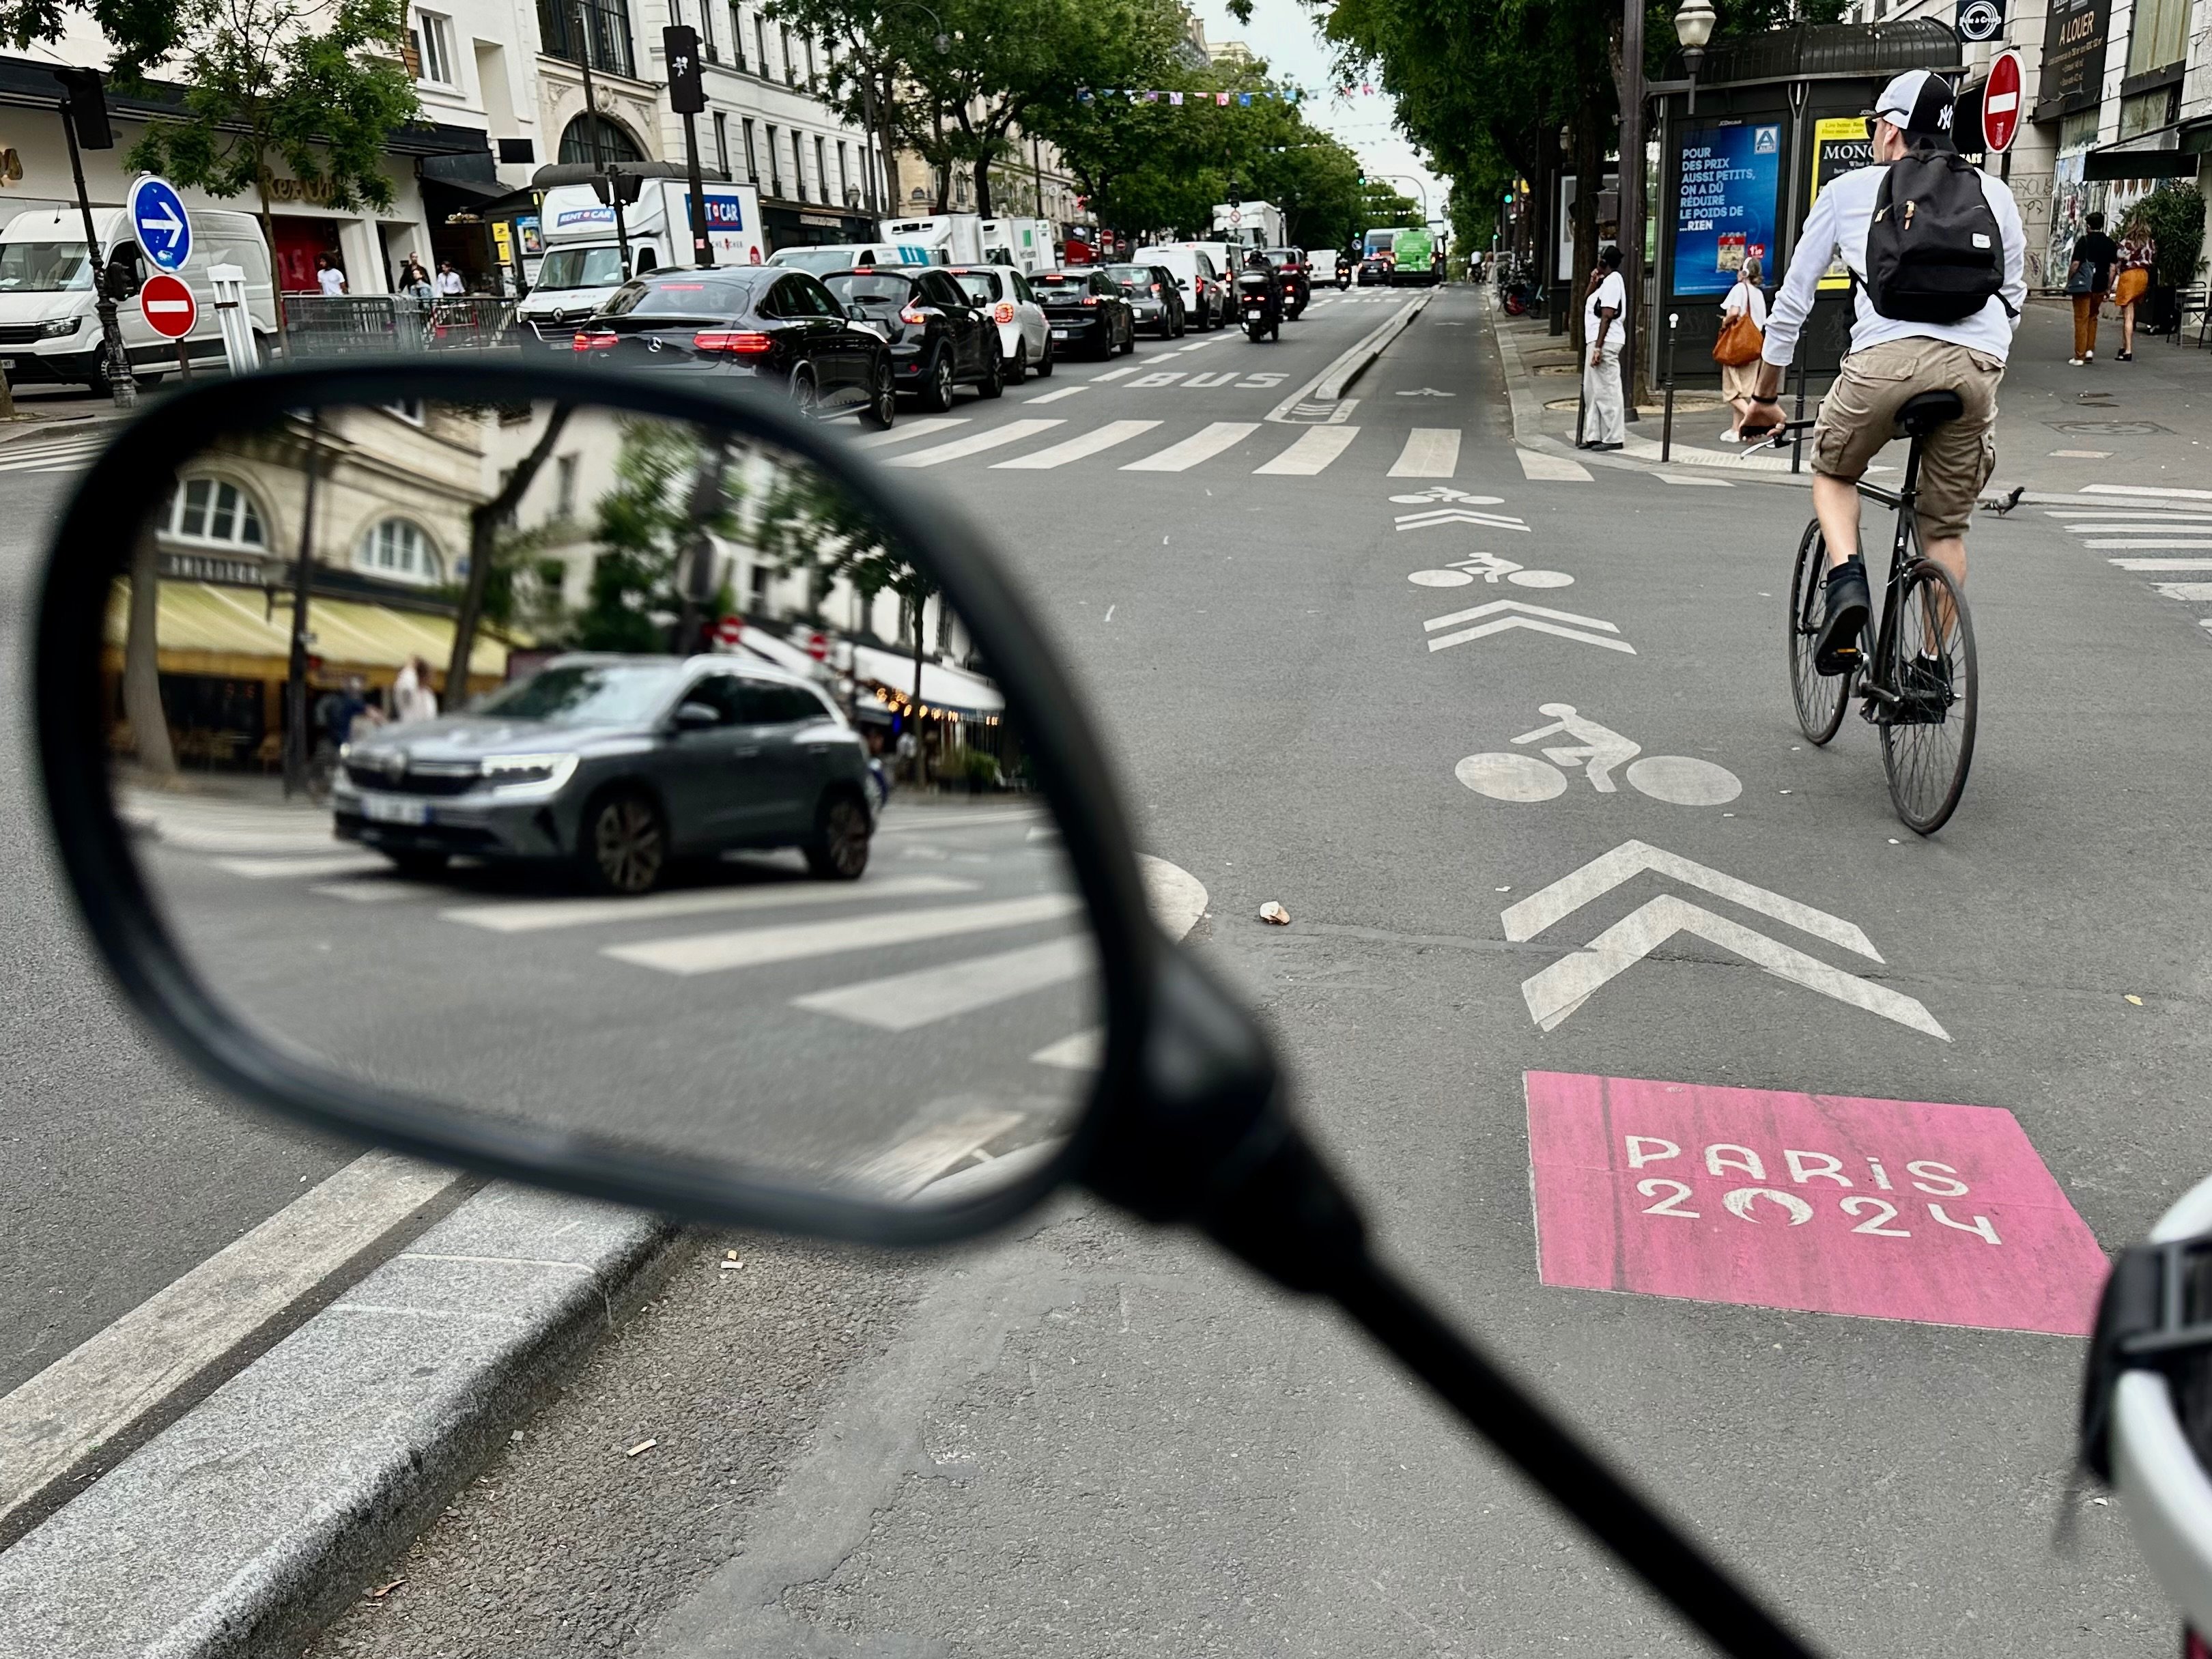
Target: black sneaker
1838,648
1924,691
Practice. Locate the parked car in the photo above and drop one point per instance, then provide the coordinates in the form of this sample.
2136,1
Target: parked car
1087,310
1206,298
939,337
772,325
1296,272
617,766
1154,296
1024,336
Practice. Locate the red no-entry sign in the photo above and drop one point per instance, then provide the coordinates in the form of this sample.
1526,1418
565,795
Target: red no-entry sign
170,309
2001,103
818,646
729,630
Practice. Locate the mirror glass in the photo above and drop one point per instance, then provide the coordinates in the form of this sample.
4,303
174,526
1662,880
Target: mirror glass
564,765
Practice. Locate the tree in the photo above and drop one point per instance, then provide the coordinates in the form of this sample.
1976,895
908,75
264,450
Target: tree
324,89
141,32
487,520
645,526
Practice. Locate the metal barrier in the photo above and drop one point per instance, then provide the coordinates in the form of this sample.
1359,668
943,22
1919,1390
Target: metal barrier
338,325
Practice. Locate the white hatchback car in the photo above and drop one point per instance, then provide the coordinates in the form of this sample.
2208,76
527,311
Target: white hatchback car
1024,336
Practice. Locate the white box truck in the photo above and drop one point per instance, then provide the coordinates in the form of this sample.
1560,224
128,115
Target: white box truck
582,264
49,320
1025,244
1249,224
960,235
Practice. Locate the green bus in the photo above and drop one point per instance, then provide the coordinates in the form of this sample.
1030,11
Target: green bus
1414,256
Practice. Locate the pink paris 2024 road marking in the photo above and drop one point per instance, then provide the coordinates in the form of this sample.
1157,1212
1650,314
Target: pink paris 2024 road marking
1887,1209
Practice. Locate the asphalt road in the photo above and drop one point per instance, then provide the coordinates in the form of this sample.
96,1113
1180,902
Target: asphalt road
1092,1435
119,1173
877,1033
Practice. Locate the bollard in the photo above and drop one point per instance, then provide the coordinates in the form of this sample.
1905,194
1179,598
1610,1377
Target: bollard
1667,421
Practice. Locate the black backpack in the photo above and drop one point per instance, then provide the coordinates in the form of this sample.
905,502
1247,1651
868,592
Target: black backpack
1933,252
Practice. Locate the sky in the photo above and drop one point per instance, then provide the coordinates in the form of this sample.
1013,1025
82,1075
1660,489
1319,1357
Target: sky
1283,33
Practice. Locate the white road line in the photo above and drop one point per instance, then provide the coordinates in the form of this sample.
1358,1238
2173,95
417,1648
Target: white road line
2163,564
996,438
2108,515
2141,527
904,1169
335,864
1202,445
906,429
1088,443
1431,452
2147,489
1084,1052
1198,345
1317,446
1551,469
900,820
900,1002
111,1382
2134,544
379,890
1054,396
1115,373
536,918
1693,478
2194,592
708,953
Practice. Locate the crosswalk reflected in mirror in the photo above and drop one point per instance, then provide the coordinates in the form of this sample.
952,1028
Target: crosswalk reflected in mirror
600,773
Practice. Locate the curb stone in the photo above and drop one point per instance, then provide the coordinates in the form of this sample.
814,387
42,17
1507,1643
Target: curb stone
249,1521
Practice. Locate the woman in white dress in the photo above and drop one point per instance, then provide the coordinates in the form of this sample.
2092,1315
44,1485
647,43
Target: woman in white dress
1739,381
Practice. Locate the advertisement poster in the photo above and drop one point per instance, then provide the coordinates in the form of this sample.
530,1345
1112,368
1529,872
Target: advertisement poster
1840,145
1731,175
2073,36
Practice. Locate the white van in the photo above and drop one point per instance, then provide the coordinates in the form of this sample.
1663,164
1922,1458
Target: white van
823,258
49,320
1208,296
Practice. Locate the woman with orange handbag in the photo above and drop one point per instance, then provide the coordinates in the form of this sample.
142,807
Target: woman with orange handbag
1743,323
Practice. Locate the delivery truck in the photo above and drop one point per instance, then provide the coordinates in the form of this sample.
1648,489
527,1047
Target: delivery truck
583,262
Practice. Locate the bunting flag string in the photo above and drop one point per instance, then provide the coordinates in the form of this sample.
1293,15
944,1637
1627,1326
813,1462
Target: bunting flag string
1221,100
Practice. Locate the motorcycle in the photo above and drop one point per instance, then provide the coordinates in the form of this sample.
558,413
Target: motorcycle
1343,272
1521,298
1261,304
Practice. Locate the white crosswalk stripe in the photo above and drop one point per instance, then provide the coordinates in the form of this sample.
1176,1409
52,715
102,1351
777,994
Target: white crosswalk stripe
900,1002
1076,448
1431,452
2163,564
1315,448
1115,373
1054,396
755,947
1202,445
1540,468
906,430
60,455
997,437
537,917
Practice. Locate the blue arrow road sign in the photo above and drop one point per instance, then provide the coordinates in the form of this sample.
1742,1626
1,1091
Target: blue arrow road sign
159,222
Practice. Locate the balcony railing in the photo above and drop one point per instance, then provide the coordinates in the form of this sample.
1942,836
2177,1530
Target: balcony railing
607,27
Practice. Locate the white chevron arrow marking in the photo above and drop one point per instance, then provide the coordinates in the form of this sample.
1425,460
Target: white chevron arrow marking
1507,614
1556,992
1443,516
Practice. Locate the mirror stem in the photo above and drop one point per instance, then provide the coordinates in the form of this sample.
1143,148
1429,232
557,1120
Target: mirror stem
1208,1142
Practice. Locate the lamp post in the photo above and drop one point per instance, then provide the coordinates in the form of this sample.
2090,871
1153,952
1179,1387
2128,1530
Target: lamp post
1693,28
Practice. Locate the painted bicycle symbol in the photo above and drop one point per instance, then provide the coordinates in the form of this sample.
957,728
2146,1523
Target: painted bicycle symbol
1679,779
1488,566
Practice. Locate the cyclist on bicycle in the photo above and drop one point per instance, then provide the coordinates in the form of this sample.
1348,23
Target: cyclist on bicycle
1892,359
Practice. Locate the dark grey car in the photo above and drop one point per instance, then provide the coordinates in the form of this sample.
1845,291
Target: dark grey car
617,766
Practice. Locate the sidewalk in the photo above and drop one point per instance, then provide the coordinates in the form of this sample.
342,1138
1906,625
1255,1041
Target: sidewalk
2140,423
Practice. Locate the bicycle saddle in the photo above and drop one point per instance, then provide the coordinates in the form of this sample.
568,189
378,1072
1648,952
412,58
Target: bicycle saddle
1923,414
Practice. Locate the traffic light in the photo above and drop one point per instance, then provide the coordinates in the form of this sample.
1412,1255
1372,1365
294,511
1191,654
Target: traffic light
687,94
87,108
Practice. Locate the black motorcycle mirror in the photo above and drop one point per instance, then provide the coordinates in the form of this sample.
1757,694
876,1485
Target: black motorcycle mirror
635,920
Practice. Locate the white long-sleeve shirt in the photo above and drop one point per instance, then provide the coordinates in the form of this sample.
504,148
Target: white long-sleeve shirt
1837,225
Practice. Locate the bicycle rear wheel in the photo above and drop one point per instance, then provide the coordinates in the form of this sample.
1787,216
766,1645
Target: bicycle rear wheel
1928,734
1820,698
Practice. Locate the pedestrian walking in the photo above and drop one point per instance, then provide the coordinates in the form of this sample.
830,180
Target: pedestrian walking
1742,337
412,699
2138,255
449,281
330,275
1605,326
2088,277
414,281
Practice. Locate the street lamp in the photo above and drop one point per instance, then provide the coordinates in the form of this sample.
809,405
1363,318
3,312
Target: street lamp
1693,27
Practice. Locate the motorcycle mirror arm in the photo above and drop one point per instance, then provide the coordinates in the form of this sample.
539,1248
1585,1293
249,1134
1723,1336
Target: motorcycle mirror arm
1208,1141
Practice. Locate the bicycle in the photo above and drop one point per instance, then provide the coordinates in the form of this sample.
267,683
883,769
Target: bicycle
1919,683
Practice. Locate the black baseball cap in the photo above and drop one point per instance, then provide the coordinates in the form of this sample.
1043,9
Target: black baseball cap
1919,101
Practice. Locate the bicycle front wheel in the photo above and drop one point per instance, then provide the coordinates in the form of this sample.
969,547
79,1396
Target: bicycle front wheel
1820,698
1928,732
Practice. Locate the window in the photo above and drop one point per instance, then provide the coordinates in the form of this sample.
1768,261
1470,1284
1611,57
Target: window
409,410
774,161
736,35
433,40
822,168
596,138
2146,111
398,549
844,173
797,169
760,44
212,510
790,64
2159,36
564,487
722,143
752,160
707,31
809,41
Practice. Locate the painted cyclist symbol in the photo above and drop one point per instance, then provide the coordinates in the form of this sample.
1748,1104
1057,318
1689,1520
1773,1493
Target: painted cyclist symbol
1677,778
1490,567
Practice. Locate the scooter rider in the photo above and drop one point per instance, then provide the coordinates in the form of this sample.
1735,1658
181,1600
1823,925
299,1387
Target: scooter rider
1257,264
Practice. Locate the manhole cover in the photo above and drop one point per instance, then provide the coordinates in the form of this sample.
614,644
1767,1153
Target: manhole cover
2109,428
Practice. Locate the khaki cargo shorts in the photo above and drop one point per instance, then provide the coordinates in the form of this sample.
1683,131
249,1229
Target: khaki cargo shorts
1859,415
